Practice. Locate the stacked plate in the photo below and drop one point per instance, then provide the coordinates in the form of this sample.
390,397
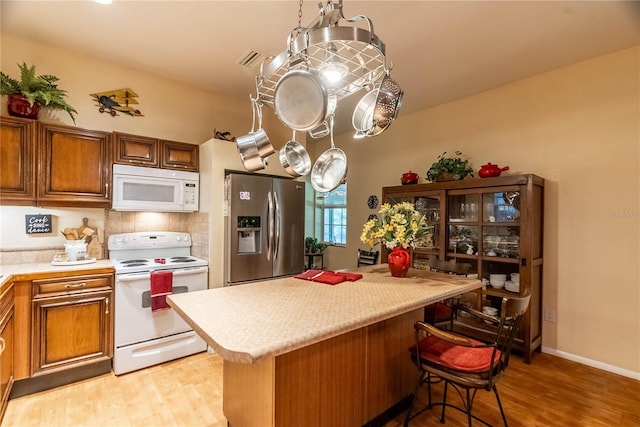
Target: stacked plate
512,286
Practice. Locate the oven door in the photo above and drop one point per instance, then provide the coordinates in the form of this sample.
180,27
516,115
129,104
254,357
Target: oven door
134,320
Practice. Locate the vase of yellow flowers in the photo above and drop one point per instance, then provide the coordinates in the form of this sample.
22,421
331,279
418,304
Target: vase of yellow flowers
398,227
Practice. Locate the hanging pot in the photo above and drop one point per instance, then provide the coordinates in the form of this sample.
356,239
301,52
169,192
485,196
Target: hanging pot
294,158
247,146
249,154
330,168
300,100
263,144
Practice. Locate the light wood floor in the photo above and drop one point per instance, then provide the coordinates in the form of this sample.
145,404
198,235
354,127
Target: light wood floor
188,392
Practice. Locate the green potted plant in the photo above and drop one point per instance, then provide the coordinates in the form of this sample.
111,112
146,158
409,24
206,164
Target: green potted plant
32,91
312,246
449,168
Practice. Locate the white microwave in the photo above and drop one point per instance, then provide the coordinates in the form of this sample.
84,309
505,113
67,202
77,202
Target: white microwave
138,188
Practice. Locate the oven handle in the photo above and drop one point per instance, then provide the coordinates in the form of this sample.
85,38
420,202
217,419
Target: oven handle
142,276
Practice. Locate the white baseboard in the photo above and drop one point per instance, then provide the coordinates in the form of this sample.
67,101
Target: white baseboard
592,363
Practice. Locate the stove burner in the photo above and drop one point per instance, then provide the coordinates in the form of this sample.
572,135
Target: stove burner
136,264
134,261
182,259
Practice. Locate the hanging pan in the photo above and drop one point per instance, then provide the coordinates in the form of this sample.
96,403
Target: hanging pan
300,100
247,148
294,158
330,168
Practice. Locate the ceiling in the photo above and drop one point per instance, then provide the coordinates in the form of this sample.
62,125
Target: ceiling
441,50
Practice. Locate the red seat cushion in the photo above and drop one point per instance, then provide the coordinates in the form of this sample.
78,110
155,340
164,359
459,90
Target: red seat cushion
456,356
438,312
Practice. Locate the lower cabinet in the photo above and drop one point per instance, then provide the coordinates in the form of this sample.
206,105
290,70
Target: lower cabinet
6,346
72,323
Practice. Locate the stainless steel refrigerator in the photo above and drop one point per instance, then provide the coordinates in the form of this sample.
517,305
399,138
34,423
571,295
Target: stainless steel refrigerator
264,227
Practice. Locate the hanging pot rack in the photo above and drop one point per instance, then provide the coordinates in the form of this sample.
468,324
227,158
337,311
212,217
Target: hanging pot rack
325,42
294,84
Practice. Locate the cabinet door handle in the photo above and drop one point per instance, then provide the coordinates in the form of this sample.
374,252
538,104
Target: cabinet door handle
75,285
106,303
3,344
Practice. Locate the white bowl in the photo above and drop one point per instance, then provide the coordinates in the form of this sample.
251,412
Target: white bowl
497,285
497,277
491,311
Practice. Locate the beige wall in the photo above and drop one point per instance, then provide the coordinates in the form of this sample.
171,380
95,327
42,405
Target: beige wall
579,128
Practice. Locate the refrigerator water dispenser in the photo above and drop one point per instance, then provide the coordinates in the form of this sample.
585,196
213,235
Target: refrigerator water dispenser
248,234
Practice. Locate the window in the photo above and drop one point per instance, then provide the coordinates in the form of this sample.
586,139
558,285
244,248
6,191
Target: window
333,209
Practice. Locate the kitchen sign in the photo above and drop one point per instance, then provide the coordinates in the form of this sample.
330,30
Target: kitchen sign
38,224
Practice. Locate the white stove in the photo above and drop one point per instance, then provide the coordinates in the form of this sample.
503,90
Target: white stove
143,334
149,251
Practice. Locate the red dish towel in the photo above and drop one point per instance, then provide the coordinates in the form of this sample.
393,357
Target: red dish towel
161,286
322,276
350,277
308,275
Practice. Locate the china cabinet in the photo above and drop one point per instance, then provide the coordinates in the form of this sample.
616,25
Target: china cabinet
494,224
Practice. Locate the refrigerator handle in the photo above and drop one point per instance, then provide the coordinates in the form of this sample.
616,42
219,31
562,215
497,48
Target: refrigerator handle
269,224
276,242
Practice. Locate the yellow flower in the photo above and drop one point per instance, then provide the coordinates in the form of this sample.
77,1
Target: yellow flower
395,225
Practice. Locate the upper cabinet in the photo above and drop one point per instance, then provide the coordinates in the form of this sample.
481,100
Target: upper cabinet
152,152
495,225
74,167
178,155
17,161
135,150
45,164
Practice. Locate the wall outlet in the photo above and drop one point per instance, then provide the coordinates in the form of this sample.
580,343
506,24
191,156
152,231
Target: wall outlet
550,314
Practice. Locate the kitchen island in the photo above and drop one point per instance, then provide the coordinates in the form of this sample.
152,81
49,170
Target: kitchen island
301,353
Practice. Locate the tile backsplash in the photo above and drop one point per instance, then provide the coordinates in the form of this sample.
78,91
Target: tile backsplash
196,224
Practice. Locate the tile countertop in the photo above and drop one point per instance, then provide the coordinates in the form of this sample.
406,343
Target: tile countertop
13,270
251,322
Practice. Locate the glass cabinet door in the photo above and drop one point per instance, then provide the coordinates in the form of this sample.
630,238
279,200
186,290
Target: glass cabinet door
463,207
501,224
429,206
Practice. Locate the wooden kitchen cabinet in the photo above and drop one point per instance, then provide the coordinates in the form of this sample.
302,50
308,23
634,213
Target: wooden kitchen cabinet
494,224
17,161
6,344
136,150
74,167
153,152
72,320
179,155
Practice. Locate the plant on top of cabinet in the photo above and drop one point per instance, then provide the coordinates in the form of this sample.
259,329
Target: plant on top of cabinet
449,168
32,91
